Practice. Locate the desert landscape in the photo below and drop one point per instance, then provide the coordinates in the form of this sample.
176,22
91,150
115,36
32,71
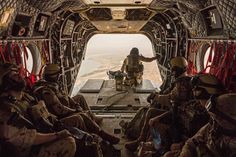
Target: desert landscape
101,58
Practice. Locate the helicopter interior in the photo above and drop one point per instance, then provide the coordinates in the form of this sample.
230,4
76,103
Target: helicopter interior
57,31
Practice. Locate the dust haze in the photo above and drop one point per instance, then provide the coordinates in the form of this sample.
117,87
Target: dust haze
106,52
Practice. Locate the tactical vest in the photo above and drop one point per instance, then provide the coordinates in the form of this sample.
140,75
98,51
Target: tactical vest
133,65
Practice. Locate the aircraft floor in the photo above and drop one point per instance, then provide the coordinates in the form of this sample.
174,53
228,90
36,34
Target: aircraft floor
115,106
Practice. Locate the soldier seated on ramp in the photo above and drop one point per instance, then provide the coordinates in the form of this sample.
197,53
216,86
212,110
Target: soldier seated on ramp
133,66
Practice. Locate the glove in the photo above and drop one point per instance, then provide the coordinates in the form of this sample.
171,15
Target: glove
63,134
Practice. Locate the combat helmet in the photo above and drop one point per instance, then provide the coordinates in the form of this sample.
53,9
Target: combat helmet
134,51
51,72
206,85
51,69
178,66
223,109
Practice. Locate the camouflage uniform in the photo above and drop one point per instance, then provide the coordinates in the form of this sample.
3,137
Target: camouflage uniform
47,122
181,93
57,102
15,132
189,118
59,105
210,144
218,137
134,67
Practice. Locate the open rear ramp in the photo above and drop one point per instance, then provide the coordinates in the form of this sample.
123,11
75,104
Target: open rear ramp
115,106
145,87
92,86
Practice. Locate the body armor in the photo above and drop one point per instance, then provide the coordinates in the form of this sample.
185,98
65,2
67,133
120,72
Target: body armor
134,66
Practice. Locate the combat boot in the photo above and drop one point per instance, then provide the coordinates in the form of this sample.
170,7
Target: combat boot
108,137
133,145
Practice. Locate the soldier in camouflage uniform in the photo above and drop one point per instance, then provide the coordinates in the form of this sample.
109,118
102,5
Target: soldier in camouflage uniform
192,116
50,82
68,111
45,122
18,131
218,137
181,92
133,66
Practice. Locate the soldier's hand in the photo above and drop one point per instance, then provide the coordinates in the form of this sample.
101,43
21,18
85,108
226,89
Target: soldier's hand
63,134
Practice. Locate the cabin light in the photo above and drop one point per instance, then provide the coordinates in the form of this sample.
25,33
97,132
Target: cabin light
108,27
6,17
137,1
96,1
130,27
168,26
213,17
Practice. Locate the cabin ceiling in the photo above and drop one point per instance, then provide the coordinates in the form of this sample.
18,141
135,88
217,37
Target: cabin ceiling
117,2
118,19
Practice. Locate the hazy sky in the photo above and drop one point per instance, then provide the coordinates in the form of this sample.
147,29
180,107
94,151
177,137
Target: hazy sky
119,43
